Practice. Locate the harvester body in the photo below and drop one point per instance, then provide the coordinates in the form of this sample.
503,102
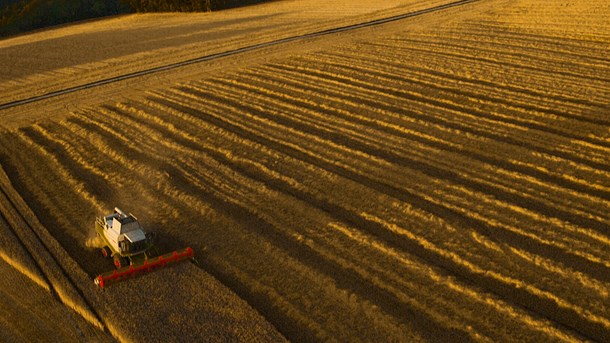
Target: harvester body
126,242
124,238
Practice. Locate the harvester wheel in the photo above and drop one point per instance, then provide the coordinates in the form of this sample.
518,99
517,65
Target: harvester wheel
106,252
120,262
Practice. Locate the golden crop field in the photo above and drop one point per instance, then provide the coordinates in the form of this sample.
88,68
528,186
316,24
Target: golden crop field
448,181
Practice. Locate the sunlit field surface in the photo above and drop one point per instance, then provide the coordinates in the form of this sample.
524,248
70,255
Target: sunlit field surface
446,181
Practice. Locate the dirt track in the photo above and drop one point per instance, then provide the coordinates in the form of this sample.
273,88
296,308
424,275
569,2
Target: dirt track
418,182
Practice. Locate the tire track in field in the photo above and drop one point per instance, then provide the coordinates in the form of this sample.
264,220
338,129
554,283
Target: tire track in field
44,281
233,52
49,281
63,287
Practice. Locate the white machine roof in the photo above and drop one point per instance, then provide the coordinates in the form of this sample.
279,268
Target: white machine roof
127,225
135,235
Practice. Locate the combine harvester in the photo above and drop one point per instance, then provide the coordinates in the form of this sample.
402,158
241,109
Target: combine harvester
129,246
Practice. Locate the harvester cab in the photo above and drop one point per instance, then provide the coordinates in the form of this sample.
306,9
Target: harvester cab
124,237
126,242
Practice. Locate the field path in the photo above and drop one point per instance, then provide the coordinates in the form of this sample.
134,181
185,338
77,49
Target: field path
36,64
232,52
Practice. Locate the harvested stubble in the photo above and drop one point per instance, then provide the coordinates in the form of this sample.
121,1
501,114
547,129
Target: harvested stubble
433,181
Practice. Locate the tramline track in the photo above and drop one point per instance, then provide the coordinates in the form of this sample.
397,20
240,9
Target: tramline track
231,53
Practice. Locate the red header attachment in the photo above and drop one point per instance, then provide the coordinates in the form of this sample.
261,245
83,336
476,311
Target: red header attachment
109,278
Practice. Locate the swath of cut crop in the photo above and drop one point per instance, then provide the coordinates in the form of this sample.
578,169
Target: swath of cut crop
436,183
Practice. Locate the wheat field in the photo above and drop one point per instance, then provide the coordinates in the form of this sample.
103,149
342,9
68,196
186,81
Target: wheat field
438,182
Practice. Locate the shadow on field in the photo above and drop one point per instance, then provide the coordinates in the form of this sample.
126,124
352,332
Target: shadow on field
39,56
